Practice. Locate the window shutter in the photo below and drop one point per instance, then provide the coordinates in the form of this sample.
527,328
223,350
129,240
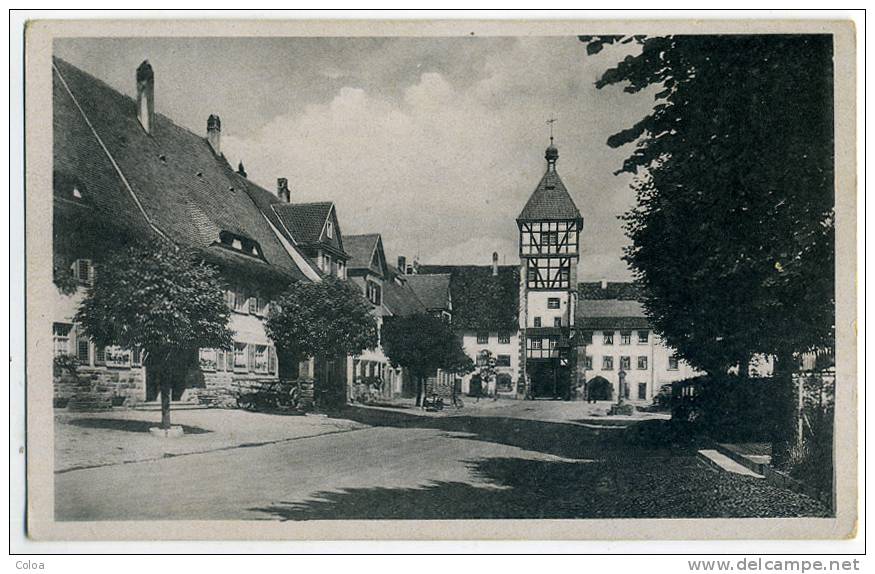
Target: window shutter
250,357
271,360
229,360
220,360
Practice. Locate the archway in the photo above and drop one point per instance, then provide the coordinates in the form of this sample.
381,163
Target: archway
599,389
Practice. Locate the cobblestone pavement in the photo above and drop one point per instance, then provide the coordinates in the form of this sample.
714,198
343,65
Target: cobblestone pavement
382,463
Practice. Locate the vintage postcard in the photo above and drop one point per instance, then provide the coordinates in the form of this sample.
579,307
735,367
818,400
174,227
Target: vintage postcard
565,280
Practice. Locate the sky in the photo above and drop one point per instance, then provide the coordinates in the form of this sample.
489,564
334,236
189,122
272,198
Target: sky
435,143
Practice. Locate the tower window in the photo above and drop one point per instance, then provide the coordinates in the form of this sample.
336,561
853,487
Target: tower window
553,303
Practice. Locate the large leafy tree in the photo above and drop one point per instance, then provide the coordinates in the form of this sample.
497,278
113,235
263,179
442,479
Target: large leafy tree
423,344
328,320
733,232
160,298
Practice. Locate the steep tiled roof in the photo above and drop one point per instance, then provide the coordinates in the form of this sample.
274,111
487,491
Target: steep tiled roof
612,290
398,297
480,300
550,200
432,290
361,250
176,181
610,314
304,220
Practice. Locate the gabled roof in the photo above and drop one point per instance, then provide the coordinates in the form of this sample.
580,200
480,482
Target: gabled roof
306,222
398,297
366,253
610,314
432,290
169,178
611,290
550,201
481,301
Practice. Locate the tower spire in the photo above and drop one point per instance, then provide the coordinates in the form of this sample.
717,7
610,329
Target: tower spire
552,154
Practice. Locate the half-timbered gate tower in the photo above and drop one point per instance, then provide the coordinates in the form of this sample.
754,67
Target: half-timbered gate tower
549,227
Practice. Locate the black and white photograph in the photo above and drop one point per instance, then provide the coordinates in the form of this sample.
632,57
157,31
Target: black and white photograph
502,275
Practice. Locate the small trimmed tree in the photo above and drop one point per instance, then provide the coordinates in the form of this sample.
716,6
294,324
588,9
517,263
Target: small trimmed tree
160,298
328,320
423,344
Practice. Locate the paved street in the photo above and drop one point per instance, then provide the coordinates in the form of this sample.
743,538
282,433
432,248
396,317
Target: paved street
510,460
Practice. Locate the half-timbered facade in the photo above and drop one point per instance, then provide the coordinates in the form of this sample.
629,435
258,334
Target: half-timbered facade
549,230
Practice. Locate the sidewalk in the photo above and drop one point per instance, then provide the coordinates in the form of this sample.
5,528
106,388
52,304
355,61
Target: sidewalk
85,440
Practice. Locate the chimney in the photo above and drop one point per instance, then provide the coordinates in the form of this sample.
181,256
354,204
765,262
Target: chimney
146,96
214,133
241,170
282,189
495,264
604,284
402,264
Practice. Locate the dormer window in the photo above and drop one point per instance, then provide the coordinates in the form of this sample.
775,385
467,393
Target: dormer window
329,229
240,243
68,186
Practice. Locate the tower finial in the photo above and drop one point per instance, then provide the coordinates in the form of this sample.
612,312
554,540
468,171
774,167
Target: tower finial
552,154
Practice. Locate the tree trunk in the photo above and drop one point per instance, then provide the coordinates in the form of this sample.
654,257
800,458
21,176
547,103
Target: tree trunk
166,390
783,395
418,391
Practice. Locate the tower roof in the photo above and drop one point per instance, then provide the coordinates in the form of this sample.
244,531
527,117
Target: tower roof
550,200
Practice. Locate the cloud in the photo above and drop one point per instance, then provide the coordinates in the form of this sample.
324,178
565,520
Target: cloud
442,164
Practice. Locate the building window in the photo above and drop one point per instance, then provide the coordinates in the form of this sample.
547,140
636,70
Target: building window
626,337
625,363
536,343
208,359
642,363
504,338
537,321
61,338
587,337
373,293
642,390
230,359
673,363
553,303
643,337
83,351
557,321
503,382
240,359
554,342
220,359
483,338
608,338
502,361
83,270
607,363
261,359
329,229
587,363
99,355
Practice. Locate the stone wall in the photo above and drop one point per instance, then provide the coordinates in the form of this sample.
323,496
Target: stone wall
97,387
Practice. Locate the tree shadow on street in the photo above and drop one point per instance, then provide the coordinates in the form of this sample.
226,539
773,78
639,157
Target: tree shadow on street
507,487
655,438
128,425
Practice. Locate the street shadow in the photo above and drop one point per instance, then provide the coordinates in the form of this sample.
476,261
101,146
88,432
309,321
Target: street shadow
676,487
127,425
654,438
